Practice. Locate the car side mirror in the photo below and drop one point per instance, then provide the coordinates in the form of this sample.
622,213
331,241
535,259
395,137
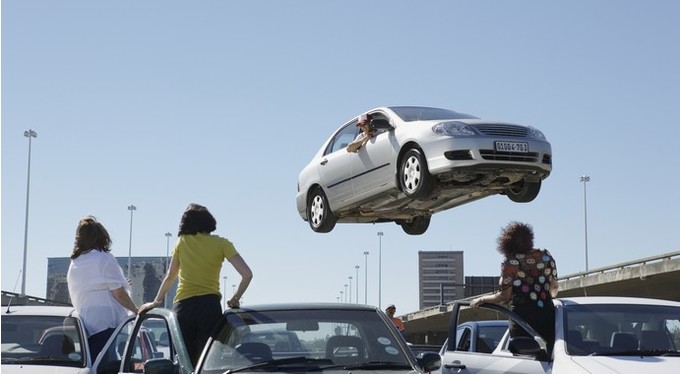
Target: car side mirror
159,366
429,361
381,123
524,345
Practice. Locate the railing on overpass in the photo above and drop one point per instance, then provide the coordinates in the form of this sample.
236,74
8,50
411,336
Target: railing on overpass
623,265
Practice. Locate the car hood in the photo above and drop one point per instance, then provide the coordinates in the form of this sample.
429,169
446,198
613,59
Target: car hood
627,364
43,369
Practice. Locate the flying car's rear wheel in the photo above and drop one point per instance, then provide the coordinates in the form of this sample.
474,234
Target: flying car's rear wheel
319,214
414,177
416,226
524,191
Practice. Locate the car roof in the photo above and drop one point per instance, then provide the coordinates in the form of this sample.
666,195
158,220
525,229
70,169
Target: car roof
309,306
39,310
588,300
486,323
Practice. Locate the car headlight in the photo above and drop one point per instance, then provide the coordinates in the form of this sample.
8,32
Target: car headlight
453,128
536,133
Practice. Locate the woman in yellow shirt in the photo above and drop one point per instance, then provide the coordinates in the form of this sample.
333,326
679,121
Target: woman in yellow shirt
197,260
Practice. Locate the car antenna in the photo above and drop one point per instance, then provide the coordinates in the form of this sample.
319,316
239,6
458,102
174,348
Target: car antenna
9,304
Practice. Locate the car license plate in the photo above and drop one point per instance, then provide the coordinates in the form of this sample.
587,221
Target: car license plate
512,147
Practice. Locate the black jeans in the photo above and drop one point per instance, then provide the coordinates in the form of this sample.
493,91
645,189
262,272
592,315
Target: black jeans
197,316
541,319
98,341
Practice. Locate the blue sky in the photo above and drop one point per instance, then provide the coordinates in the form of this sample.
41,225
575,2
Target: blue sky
163,103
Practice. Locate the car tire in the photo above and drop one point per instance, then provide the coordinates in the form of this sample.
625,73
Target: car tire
415,179
417,226
319,214
524,191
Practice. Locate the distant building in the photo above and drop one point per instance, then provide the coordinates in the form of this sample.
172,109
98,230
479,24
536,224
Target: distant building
477,285
442,280
440,277
147,274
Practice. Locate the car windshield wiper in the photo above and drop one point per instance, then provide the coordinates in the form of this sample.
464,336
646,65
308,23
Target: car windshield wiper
279,362
639,352
378,365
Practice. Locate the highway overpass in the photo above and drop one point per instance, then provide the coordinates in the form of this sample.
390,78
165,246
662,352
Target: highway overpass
656,277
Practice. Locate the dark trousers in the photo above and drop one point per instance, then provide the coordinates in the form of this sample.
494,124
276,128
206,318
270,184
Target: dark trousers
98,341
197,316
541,319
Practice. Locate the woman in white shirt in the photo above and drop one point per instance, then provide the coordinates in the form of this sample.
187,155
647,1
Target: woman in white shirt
98,288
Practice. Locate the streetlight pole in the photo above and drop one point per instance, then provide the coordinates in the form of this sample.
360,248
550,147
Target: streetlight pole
131,208
585,179
350,289
357,281
167,262
366,277
345,299
224,290
380,235
342,299
30,134
167,251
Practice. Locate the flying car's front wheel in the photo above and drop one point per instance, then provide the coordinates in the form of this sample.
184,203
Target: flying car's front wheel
319,214
524,191
415,179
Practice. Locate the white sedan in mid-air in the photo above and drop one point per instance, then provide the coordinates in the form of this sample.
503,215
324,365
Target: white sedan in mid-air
417,162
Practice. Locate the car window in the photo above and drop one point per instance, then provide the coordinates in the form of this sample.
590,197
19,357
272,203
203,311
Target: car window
606,329
414,113
42,340
343,138
489,337
463,339
310,337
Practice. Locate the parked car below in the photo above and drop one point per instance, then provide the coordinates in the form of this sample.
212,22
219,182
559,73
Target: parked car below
332,337
417,162
592,335
52,339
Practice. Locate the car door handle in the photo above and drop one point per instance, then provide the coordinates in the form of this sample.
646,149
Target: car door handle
324,162
455,365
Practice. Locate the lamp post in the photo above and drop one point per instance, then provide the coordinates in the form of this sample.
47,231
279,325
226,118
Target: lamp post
30,134
585,179
345,299
342,299
224,290
131,208
350,289
167,251
167,262
366,277
380,235
357,282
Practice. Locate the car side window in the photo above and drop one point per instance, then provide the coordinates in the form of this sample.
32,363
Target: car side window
343,138
463,339
111,359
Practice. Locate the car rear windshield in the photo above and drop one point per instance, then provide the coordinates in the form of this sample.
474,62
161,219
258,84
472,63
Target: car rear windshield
41,340
417,113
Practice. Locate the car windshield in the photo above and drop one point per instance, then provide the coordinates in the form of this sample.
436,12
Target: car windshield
305,340
622,329
41,340
418,113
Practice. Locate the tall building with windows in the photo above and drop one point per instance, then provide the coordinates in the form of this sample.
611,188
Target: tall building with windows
147,274
441,277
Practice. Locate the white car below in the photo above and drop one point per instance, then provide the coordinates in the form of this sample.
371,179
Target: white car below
51,339
598,335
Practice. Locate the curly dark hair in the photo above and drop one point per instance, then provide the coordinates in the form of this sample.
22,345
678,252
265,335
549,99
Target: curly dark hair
197,219
516,238
90,235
